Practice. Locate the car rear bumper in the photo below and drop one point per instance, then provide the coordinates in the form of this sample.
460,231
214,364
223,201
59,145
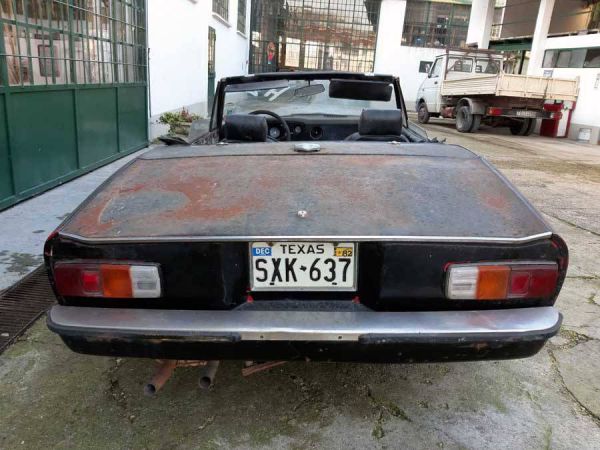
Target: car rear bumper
315,335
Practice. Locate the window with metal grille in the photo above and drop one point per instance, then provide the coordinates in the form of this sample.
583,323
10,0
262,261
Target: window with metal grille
241,22
313,35
53,42
221,7
435,24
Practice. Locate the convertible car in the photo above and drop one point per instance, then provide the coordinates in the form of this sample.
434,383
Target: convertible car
312,221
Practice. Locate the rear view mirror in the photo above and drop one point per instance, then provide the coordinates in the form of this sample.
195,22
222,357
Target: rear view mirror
311,89
360,90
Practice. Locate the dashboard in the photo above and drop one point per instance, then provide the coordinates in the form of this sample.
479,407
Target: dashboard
315,128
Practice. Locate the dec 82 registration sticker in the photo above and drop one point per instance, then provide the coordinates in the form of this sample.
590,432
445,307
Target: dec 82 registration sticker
315,266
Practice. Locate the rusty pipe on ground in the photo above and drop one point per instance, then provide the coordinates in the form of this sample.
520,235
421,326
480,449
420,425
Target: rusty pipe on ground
160,377
207,374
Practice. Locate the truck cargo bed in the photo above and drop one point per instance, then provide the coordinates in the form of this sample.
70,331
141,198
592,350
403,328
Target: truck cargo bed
509,85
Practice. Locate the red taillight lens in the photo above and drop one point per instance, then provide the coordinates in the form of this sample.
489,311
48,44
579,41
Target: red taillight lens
494,111
498,281
74,279
91,283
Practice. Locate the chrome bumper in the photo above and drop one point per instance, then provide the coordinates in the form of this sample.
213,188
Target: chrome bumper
318,326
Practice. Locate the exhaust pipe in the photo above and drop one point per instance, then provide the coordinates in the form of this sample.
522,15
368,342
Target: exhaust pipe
207,375
160,377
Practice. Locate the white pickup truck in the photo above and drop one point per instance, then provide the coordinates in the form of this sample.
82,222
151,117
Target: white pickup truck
470,86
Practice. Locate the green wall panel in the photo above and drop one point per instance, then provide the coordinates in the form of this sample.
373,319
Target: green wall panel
5,177
96,125
43,144
133,121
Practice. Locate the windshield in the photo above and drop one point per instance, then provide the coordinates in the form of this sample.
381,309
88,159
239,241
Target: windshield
297,97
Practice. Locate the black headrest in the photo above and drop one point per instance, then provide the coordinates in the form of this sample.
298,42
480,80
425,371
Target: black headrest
245,127
377,122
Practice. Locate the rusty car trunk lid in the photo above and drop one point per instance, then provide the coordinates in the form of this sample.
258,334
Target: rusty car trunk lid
355,190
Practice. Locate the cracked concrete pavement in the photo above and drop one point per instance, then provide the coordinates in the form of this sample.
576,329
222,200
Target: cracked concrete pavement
52,397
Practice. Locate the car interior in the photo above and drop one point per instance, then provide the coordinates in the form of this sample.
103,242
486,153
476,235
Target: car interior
373,125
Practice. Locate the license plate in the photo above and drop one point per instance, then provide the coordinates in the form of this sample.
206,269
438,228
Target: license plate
303,266
524,113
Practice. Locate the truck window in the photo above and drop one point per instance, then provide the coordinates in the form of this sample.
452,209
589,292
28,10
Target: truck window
436,70
488,66
460,65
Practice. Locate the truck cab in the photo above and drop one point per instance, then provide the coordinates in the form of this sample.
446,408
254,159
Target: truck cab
453,67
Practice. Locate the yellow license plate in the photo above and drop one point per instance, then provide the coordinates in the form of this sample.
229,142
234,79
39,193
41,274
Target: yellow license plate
343,251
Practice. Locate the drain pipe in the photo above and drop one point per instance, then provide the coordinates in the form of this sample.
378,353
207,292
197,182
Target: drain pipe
207,375
160,377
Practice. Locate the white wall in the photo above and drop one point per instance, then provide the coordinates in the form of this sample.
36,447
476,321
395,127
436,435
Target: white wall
177,39
178,64
232,48
586,110
391,58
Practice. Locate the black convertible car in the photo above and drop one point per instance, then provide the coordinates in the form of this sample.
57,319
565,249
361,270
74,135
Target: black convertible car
312,222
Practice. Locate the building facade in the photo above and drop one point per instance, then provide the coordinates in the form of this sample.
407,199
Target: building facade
192,44
555,38
79,79
84,82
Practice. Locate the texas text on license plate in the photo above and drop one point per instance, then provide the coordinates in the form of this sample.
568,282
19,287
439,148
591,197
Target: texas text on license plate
305,266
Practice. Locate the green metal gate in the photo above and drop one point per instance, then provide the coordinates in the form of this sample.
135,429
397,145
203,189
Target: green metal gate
73,92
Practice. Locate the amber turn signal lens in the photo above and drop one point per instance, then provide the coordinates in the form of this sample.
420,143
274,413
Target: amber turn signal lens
493,282
116,281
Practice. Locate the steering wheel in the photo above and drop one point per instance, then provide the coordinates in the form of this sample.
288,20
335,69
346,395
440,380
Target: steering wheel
281,120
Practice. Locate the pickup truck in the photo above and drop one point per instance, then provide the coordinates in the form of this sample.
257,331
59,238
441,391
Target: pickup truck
470,86
314,222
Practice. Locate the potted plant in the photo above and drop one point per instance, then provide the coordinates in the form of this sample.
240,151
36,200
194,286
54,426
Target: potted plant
179,122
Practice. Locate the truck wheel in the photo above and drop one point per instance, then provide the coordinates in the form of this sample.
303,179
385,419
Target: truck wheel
464,119
522,127
476,123
423,113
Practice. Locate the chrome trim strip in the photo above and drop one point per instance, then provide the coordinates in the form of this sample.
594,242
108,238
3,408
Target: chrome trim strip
338,238
249,325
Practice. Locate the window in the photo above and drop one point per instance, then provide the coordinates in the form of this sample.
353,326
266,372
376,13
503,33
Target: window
435,24
592,58
550,57
574,58
221,7
54,42
460,65
487,66
241,23
436,71
48,65
313,35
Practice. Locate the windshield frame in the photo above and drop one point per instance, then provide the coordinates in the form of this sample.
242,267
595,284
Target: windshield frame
218,106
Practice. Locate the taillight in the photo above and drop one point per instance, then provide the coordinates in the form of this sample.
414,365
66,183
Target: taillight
498,281
74,279
494,111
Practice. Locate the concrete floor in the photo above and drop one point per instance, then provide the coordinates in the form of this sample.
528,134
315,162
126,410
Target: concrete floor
51,397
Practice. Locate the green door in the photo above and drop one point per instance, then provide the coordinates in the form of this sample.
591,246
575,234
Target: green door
73,91
212,40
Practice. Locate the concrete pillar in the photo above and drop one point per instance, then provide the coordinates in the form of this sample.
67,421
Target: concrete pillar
389,35
480,23
542,25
